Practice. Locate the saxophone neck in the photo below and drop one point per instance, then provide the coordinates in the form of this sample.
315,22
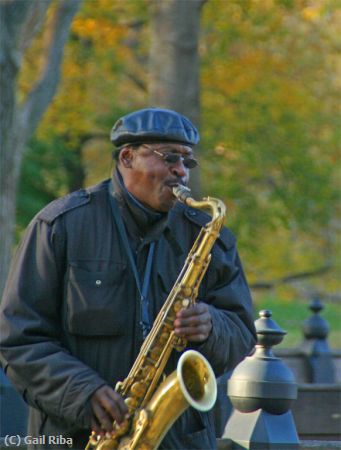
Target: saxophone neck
215,205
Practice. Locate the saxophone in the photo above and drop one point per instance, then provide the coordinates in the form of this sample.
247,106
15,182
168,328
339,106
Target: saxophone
154,407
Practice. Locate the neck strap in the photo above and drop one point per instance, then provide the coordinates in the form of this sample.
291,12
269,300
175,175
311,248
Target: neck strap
143,287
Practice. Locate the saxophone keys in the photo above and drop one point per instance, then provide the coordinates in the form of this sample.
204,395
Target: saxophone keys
180,347
186,302
164,338
178,306
119,386
131,403
93,440
182,303
138,389
179,344
155,353
120,429
186,291
146,373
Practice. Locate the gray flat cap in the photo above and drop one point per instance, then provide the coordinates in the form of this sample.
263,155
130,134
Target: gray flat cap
154,125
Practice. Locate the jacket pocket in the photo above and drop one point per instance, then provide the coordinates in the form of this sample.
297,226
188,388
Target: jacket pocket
199,440
192,430
200,431
166,281
96,302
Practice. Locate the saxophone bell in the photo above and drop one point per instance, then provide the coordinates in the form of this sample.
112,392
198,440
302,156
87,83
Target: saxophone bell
193,384
197,380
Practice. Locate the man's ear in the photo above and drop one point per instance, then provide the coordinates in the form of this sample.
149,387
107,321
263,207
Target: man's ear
126,157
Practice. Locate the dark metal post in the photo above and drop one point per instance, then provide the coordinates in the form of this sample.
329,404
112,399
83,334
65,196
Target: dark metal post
315,349
262,390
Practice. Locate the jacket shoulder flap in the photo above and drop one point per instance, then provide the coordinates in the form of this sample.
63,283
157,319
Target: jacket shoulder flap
200,218
62,205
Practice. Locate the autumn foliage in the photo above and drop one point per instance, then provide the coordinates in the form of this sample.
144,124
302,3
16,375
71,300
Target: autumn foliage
269,107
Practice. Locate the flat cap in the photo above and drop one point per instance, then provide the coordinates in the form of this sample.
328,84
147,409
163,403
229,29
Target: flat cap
154,125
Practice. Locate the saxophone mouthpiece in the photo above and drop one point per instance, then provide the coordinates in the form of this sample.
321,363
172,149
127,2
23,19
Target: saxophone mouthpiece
181,192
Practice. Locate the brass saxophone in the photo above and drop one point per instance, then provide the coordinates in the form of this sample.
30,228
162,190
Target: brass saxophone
153,408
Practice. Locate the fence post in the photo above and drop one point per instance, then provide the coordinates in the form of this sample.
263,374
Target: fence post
315,349
262,390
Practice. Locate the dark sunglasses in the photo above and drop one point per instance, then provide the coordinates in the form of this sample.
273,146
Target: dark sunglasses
174,158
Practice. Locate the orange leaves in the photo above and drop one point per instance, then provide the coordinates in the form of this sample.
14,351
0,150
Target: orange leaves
313,12
99,31
85,28
238,74
97,59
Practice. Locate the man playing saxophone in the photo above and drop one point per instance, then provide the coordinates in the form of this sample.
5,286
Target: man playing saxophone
92,272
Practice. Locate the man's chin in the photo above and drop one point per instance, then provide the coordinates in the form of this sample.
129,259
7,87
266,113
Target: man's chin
167,204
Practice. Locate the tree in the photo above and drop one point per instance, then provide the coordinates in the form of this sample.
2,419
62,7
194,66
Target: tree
270,70
103,77
20,23
174,59
269,108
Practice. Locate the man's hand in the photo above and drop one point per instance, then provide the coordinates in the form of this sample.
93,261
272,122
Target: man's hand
107,406
194,323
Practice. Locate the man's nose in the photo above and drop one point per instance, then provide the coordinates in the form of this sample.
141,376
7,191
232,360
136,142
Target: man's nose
178,169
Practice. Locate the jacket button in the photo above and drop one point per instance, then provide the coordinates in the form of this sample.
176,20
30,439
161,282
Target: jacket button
98,282
192,213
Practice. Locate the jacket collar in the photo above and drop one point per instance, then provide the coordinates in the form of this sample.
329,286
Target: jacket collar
141,221
137,217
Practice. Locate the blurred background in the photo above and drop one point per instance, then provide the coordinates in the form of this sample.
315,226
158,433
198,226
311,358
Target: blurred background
260,78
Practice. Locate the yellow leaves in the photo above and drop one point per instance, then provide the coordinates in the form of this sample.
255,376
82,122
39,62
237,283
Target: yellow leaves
235,76
88,26
288,251
312,13
97,160
100,31
226,151
289,96
262,66
84,27
71,68
219,149
101,45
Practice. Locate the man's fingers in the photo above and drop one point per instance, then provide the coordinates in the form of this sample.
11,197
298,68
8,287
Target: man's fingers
114,404
195,334
107,406
194,310
195,316
102,417
194,321
95,426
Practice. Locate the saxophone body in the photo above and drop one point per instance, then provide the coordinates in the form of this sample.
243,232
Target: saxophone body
152,406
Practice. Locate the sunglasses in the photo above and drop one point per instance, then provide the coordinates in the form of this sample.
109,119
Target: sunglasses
173,158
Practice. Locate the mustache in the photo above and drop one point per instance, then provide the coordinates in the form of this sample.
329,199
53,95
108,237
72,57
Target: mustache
171,182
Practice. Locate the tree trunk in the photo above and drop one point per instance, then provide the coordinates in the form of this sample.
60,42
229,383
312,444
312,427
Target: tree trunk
19,23
174,60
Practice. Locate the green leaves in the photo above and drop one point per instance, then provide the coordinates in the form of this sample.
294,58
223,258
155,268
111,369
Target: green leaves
269,119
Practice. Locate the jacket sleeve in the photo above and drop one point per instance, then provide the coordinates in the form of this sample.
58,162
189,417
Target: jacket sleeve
233,333
32,354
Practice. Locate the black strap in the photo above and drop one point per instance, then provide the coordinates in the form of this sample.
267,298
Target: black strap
143,290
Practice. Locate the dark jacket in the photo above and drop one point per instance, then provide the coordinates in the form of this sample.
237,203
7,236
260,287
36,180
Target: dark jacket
70,316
